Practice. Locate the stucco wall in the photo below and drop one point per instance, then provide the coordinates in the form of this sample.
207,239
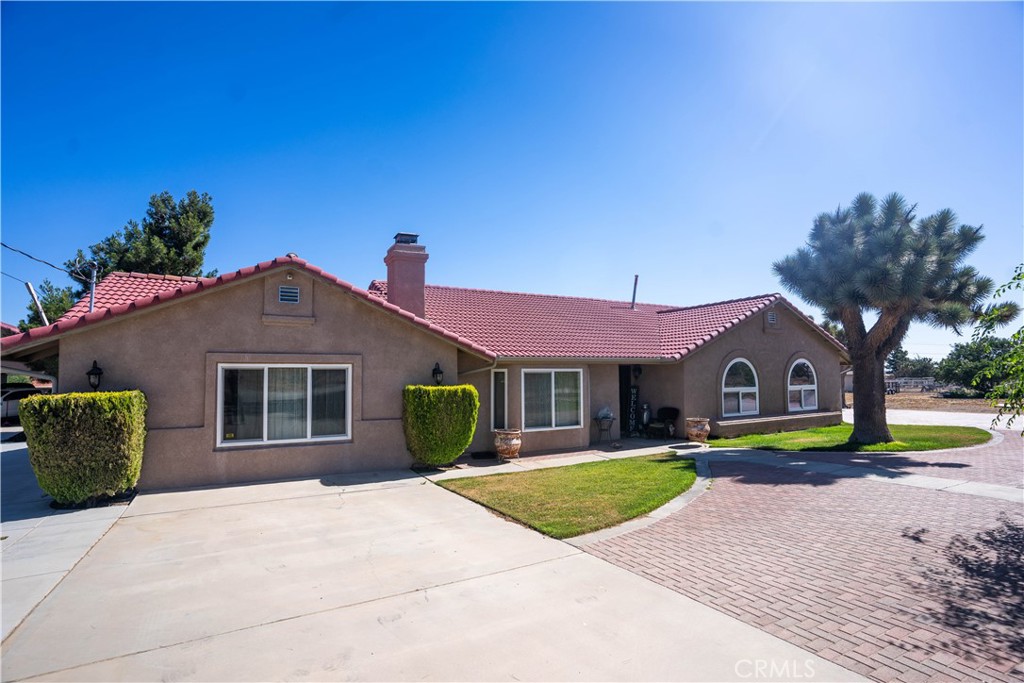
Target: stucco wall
604,392
662,386
171,354
546,439
483,438
771,351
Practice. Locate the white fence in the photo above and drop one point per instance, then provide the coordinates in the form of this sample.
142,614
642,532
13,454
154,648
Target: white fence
896,385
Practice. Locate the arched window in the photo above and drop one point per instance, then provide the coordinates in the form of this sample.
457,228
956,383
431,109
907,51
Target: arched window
739,389
803,387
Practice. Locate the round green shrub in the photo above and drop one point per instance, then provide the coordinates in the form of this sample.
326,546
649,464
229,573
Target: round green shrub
85,445
439,422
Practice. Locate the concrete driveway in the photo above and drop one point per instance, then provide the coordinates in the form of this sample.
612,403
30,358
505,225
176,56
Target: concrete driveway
940,417
38,545
379,577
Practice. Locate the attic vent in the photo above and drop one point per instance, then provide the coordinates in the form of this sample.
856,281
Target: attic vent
773,319
287,294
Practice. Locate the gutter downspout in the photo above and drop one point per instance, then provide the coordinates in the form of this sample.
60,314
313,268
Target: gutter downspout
486,367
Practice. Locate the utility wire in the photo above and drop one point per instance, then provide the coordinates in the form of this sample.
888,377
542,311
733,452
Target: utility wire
76,276
13,278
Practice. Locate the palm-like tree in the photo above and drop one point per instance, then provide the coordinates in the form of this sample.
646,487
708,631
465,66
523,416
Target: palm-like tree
878,258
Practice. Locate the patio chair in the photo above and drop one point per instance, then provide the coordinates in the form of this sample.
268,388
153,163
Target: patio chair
664,423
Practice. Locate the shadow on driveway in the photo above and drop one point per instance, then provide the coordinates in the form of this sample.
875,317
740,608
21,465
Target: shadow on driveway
980,589
820,469
20,495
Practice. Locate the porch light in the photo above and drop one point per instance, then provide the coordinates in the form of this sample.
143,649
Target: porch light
438,373
95,375
637,371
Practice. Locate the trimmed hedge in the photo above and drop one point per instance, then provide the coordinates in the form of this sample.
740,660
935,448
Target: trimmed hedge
85,445
439,422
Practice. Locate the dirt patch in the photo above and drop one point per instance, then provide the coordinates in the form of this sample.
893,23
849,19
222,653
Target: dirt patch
922,400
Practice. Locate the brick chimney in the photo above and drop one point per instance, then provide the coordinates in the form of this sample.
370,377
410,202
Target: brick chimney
406,261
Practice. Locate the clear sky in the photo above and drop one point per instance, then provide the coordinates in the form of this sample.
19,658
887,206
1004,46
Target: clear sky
556,148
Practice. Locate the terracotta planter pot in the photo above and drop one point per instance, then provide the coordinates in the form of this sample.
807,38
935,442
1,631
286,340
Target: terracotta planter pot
698,428
507,442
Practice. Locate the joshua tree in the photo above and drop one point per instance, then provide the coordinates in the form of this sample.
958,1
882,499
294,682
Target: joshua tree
877,257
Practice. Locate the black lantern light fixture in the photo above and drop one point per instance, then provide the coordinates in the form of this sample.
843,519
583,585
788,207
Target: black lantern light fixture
95,374
637,371
438,373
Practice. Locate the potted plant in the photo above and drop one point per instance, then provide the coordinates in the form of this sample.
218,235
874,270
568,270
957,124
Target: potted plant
698,428
507,442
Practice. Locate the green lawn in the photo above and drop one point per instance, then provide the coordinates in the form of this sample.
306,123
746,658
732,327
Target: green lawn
577,499
908,438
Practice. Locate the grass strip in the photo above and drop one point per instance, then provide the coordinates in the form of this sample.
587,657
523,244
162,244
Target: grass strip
563,502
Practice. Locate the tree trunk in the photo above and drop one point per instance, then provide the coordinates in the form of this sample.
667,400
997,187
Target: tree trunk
869,424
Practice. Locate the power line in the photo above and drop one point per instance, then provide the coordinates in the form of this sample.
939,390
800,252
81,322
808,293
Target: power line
34,258
13,278
66,272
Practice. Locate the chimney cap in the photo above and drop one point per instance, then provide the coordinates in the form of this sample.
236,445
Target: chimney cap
406,238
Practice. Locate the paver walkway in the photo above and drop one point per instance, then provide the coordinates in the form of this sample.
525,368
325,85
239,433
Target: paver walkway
861,572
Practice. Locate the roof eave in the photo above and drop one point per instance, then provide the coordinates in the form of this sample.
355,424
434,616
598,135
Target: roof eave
57,330
617,360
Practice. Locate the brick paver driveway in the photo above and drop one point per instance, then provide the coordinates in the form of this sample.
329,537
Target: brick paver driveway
888,580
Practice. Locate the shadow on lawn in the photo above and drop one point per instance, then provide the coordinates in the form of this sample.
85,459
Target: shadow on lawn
979,591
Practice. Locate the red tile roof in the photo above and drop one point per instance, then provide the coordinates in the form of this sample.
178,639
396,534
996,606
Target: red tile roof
9,327
488,323
517,325
123,293
119,288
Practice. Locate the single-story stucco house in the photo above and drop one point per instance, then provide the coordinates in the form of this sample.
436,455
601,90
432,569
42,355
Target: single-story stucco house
282,370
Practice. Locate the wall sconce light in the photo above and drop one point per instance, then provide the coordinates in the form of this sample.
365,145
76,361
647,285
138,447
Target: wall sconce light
637,371
95,374
438,373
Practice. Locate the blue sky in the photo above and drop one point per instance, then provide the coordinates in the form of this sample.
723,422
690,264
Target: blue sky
555,148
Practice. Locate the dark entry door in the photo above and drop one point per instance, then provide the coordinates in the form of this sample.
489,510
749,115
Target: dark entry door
625,382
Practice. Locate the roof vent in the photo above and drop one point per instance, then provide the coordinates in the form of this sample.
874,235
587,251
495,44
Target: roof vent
287,294
773,319
406,238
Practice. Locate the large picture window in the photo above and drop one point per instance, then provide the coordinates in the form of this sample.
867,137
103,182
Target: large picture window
499,399
739,389
282,403
803,387
552,399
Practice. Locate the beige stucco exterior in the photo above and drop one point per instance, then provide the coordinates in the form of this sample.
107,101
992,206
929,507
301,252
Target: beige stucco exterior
171,353
772,351
694,385
600,388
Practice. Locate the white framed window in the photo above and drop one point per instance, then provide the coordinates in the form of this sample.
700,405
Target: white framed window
803,386
259,403
739,389
552,399
499,399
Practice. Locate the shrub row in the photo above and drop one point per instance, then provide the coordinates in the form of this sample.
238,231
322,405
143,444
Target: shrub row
439,422
84,446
